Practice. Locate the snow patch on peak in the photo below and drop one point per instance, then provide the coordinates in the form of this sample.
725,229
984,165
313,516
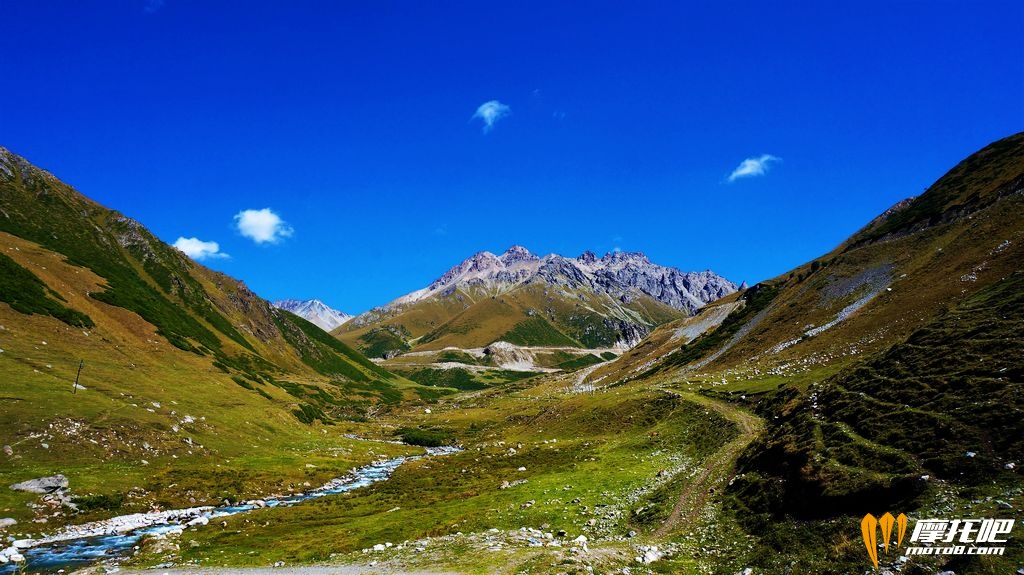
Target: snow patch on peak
316,311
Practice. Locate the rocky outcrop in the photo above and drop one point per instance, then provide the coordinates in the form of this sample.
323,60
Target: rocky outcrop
508,356
43,485
621,274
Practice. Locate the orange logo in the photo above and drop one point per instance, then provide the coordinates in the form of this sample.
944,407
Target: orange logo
869,529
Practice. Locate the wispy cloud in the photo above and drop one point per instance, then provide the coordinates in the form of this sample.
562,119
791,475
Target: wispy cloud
197,249
153,5
262,226
753,167
490,113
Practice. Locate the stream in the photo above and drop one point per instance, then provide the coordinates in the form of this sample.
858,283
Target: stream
80,546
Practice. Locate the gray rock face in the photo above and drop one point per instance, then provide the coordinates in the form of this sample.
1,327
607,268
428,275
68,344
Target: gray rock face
621,275
42,485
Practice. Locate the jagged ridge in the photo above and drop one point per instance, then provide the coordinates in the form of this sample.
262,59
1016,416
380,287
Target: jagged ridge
619,274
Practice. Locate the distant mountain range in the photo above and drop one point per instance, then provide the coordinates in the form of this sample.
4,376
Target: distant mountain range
316,311
525,299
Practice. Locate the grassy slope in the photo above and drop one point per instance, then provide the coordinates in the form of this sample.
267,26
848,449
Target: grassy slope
581,475
155,328
867,435
923,373
527,315
938,250
99,435
663,341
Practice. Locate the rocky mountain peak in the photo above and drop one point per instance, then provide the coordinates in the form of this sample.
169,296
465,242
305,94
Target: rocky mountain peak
316,311
515,254
622,275
616,257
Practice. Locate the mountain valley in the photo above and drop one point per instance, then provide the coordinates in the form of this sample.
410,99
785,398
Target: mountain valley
613,415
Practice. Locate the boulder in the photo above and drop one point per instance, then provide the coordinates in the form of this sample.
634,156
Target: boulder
42,485
651,554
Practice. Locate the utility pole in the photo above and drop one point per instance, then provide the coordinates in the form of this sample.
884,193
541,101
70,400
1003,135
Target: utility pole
81,363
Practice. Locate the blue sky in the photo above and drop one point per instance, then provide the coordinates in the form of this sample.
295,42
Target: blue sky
391,140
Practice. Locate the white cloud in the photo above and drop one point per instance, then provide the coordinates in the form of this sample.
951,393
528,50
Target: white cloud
490,113
753,167
262,226
197,249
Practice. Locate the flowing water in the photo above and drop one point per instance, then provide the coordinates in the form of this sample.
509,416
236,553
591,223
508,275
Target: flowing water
75,553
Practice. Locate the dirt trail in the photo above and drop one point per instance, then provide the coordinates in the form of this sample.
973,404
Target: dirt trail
716,470
578,386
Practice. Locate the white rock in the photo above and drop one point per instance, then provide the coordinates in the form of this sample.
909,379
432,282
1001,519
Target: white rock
651,555
379,547
580,539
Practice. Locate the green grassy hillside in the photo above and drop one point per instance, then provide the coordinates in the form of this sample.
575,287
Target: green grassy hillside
184,368
528,315
907,266
887,372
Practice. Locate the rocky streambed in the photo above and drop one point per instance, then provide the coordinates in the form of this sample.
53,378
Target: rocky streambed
115,538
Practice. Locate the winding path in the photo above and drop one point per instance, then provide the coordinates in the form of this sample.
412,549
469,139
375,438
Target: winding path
716,470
